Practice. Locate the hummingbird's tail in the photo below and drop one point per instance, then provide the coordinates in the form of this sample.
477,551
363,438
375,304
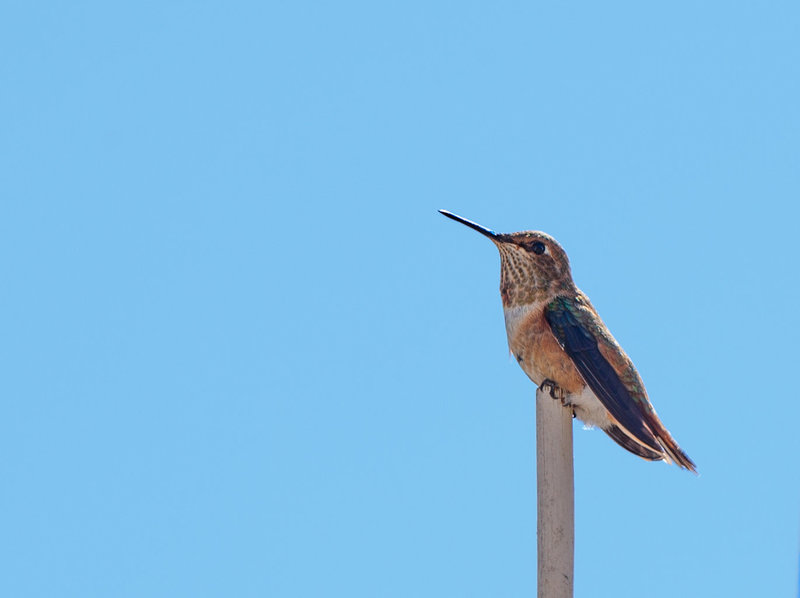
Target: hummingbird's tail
675,452
626,442
672,451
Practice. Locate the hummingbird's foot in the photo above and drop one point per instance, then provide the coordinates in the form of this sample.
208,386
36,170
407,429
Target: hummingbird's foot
552,388
556,393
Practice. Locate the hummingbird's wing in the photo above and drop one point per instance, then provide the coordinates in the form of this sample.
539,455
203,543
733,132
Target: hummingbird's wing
586,340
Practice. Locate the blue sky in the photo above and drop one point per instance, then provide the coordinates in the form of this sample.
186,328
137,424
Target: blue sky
244,356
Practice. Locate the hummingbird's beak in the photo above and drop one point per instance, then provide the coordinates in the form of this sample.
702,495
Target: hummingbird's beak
484,231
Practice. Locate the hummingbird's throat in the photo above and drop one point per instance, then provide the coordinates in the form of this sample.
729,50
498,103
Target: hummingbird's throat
529,277
520,282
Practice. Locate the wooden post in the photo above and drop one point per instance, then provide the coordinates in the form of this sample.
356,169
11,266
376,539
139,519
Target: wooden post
555,495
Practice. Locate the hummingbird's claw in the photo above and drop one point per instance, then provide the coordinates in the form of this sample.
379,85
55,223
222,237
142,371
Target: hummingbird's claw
552,388
556,392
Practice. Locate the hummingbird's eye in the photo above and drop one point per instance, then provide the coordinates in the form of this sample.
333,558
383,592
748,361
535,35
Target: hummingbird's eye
538,248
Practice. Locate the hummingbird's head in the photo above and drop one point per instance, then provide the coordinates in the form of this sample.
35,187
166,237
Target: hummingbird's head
533,266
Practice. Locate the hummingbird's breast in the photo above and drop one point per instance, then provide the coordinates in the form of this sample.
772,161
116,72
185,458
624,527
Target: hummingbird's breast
536,349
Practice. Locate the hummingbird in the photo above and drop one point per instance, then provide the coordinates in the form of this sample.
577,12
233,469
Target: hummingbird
560,342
